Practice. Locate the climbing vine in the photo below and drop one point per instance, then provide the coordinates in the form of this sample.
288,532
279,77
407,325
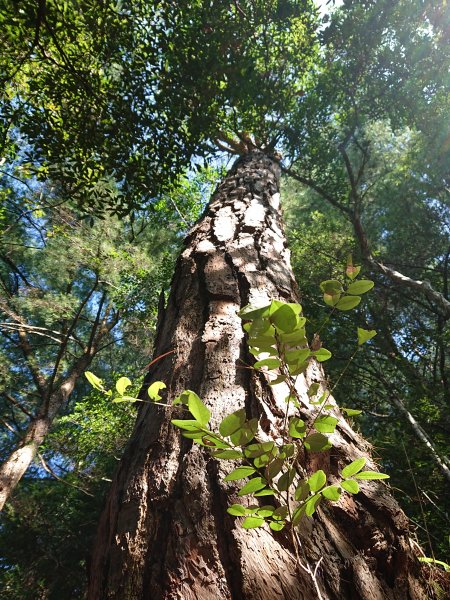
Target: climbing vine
273,469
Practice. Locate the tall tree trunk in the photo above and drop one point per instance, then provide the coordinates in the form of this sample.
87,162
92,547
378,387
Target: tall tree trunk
165,533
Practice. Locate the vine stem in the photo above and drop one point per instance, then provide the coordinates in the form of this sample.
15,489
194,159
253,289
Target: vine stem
306,566
341,374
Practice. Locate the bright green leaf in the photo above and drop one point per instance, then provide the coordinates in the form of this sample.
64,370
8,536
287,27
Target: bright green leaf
197,408
351,412
360,287
284,318
364,335
322,354
125,399
350,485
254,485
297,356
331,492
249,312
297,428
325,424
153,390
331,286
317,481
368,475
228,454
95,381
354,467
188,424
311,505
122,384
271,363
237,510
264,492
252,522
240,473
265,511
348,302
232,422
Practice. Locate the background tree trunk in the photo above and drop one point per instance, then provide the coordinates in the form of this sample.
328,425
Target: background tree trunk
165,532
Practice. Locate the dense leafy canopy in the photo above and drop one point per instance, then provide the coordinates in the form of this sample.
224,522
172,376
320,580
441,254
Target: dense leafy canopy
114,100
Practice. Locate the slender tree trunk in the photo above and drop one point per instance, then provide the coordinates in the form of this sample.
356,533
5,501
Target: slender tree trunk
15,466
165,533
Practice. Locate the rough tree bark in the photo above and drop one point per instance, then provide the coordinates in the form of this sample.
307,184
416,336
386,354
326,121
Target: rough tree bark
165,533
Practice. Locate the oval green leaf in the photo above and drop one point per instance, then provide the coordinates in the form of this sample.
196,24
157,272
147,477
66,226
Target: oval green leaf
264,492
353,467
302,491
240,473
277,525
122,384
95,381
254,485
284,319
265,511
311,505
369,475
228,454
317,442
252,522
271,363
232,422
351,412
237,510
350,485
360,287
325,424
331,492
317,481
331,286
297,428
322,354
197,409
348,302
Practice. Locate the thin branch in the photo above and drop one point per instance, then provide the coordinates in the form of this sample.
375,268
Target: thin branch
49,470
317,188
16,403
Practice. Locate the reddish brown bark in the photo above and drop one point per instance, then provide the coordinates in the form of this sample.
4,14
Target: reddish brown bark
165,533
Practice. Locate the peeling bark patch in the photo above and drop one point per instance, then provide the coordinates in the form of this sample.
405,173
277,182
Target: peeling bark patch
225,224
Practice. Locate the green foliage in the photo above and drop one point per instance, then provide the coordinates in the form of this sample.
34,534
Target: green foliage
404,210
276,331
49,525
153,85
